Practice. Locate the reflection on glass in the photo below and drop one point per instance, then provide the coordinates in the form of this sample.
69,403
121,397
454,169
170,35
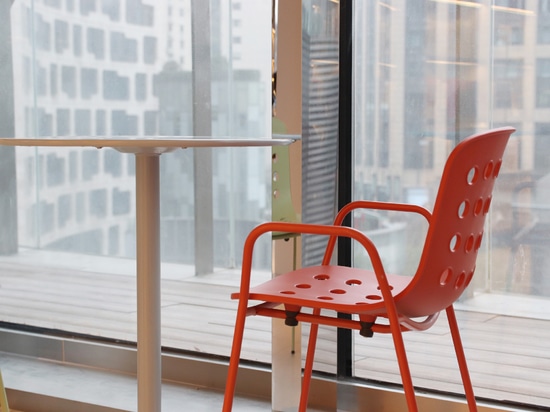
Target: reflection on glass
428,74
125,68
133,76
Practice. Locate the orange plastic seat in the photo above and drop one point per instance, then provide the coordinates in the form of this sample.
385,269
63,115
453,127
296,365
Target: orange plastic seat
404,303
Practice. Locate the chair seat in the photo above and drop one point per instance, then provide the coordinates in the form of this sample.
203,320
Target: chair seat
343,289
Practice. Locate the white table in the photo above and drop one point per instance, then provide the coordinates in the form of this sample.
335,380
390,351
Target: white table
147,152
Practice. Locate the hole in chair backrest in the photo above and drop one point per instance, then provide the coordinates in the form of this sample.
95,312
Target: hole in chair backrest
460,280
488,172
473,175
454,244
478,241
463,209
446,276
478,207
470,243
487,205
496,171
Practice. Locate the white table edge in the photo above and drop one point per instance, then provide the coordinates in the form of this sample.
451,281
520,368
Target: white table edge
156,144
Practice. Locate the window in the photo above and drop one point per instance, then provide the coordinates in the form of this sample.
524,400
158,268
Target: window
77,40
100,123
53,79
41,81
509,26
115,87
82,122
542,148
90,164
64,210
43,33
68,81
61,36
150,123
445,71
139,13
123,49
543,83
112,163
113,240
88,83
122,201
87,6
149,50
123,124
508,83
141,86
96,42
63,118
426,74
111,8
543,22
98,203
55,170
88,69
53,3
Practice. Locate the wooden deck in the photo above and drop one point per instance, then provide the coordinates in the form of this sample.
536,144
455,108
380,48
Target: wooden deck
509,356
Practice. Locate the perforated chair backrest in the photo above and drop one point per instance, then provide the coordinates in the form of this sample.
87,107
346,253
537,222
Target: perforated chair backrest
454,237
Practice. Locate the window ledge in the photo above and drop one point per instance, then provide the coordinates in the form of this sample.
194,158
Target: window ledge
44,373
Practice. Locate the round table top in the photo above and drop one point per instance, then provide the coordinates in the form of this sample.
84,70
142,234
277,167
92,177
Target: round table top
149,144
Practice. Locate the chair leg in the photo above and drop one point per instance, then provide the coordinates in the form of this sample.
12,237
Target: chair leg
461,358
308,367
403,364
234,359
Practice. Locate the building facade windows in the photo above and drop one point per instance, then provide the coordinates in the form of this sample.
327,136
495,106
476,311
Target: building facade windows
77,40
123,49
87,7
543,82
428,73
115,87
508,83
63,122
88,83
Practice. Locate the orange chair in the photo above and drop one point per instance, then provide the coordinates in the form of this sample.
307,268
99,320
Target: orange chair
407,303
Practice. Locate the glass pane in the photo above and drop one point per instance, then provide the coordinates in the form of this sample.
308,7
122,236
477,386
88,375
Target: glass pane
320,100
134,68
427,74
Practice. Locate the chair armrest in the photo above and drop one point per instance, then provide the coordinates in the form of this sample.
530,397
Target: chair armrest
370,204
332,231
